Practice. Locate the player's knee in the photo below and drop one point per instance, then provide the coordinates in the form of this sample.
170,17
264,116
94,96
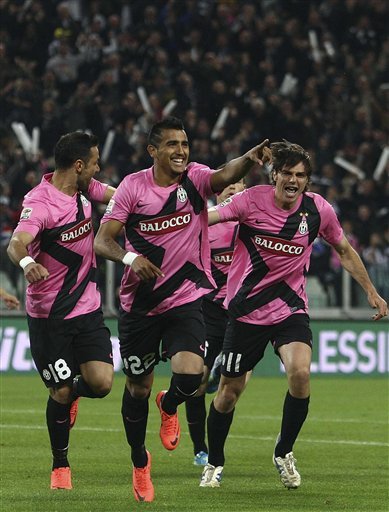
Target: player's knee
140,393
186,385
298,382
61,395
227,396
102,391
299,376
102,388
140,388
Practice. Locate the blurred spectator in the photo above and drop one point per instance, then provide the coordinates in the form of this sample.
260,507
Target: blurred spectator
364,224
79,65
376,259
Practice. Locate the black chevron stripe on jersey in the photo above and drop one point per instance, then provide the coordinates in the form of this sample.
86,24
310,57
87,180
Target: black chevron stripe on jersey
240,305
194,197
146,298
219,277
65,301
308,207
153,252
220,280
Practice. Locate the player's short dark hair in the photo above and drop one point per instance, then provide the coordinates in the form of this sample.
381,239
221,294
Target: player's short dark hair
286,155
169,123
73,146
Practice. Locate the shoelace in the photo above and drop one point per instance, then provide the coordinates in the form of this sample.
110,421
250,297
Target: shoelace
142,478
208,473
171,423
289,465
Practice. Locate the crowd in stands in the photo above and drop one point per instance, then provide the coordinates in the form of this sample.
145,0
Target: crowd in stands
312,72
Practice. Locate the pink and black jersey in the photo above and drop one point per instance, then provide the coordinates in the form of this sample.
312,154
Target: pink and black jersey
221,241
267,278
169,226
62,228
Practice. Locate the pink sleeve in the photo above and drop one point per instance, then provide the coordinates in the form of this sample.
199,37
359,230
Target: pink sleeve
33,218
121,204
234,208
97,190
200,175
330,228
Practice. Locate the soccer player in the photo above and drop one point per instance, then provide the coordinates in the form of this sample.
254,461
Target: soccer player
221,241
53,244
267,301
163,210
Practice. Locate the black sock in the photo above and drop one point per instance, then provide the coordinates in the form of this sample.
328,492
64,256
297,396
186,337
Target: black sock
135,413
81,388
294,414
60,458
195,415
182,387
57,419
218,425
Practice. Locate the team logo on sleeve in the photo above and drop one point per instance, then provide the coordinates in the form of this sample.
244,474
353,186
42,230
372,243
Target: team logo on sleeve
110,206
77,232
181,194
225,202
165,224
303,226
26,213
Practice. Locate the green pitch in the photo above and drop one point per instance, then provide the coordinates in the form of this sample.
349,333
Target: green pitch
342,453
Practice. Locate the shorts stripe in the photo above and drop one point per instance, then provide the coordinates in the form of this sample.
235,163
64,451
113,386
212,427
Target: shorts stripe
238,358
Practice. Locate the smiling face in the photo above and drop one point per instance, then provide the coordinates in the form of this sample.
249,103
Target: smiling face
170,156
289,185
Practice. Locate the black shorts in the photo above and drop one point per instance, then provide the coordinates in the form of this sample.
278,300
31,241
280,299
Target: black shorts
216,318
146,340
244,344
58,347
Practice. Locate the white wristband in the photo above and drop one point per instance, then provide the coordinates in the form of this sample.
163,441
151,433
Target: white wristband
26,261
129,257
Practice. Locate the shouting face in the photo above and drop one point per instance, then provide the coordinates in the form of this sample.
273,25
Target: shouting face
290,184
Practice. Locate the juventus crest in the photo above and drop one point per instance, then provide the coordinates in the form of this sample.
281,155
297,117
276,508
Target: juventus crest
181,194
303,226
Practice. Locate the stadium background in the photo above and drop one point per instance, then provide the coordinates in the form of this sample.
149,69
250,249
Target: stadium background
236,72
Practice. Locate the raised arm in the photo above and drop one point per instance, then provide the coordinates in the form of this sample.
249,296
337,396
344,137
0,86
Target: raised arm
108,194
236,169
105,245
351,262
18,254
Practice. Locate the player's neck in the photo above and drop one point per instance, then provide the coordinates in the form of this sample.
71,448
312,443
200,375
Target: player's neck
64,182
164,179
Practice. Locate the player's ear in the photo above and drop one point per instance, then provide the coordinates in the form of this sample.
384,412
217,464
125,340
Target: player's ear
79,165
151,150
